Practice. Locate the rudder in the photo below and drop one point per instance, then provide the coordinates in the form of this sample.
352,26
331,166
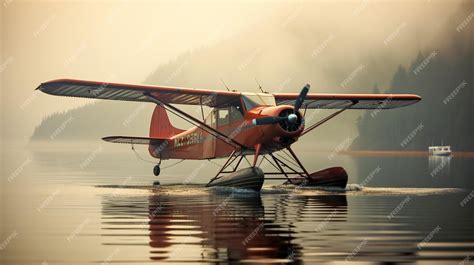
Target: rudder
160,125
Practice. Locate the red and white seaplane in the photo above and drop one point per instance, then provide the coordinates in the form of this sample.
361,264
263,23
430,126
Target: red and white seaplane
264,125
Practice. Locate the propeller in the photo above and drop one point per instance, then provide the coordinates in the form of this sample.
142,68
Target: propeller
301,97
292,118
268,120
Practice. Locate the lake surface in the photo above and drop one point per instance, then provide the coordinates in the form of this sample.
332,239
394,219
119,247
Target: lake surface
93,203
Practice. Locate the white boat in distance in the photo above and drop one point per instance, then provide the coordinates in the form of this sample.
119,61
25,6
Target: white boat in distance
440,150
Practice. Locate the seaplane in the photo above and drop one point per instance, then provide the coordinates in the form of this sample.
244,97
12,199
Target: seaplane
240,124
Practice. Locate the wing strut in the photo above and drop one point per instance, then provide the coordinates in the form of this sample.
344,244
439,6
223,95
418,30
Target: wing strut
202,111
319,123
202,125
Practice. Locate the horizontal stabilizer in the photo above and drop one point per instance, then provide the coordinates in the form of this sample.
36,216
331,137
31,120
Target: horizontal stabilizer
134,140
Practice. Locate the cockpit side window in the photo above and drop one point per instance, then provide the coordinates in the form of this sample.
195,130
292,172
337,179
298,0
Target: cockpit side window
224,115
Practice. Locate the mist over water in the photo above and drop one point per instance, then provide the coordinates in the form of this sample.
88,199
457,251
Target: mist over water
98,199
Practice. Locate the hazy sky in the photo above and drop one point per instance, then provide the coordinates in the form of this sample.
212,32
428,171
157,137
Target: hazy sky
119,41
124,41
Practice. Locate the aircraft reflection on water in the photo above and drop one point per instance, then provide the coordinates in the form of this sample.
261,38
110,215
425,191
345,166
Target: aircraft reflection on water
174,223
223,226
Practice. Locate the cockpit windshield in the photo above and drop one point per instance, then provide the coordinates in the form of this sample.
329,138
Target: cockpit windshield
252,100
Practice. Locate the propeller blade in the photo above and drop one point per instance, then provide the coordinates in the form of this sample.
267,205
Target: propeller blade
301,97
268,120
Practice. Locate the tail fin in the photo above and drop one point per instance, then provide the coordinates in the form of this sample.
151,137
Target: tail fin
160,126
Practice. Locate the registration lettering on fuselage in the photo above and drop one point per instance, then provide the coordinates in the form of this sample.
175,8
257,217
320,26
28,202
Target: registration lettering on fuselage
188,139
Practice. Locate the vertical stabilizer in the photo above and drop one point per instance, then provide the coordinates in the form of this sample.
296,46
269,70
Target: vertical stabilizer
160,126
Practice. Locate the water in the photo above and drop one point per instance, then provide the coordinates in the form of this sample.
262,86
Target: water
94,204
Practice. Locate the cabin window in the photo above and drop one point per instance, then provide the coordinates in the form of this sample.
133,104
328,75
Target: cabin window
210,119
235,113
223,116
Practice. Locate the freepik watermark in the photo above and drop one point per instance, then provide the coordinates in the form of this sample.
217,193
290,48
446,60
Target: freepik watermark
341,147
19,169
283,84
78,230
455,92
399,207
121,186
6,63
361,7
194,173
429,237
441,165
356,250
8,240
176,72
133,115
381,106
44,25
465,22
371,176
326,220
97,91
395,33
412,135
253,234
110,257
91,157
223,204
48,200
158,209
467,199
161,147
75,54
424,63
321,47
352,75
239,128
29,100
249,59
293,15
61,128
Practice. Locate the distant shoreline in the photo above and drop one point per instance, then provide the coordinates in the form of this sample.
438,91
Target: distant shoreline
400,153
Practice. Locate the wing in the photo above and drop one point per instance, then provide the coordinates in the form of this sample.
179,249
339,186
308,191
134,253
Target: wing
134,140
114,91
340,101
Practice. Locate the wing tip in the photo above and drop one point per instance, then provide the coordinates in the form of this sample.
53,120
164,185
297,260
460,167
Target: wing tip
109,138
42,86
